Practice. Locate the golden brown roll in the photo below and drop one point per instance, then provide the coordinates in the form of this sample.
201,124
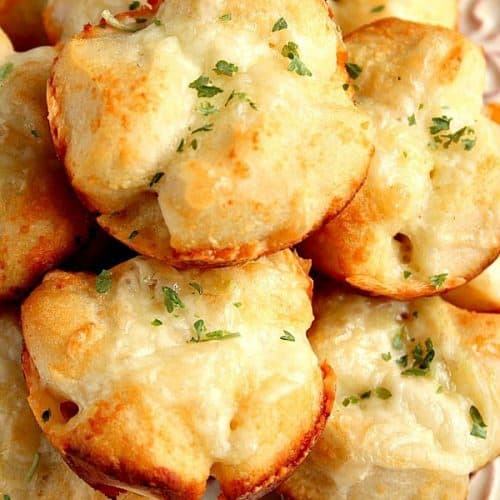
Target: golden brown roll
219,134
41,221
418,399
352,14
428,217
22,21
29,467
157,378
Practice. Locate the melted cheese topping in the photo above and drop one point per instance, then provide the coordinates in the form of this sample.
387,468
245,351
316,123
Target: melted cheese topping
277,158
425,426
352,14
427,207
203,396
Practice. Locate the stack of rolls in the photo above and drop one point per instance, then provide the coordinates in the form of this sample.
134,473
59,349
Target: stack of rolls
239,245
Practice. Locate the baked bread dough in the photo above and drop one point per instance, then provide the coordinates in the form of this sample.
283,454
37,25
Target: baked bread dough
428,217
22,21
352,14
41,221
415,443
480,294
29,467
266,156
63,19
152,401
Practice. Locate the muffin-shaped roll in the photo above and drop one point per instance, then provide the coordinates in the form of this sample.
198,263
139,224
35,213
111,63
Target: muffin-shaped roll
41,220
352,14
63,19
218,133
22,21
30,467
157,379
428,217
418,399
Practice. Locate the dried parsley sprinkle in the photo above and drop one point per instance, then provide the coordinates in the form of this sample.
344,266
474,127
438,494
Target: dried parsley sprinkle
412,120
171,299
197,287
133,235
438,280
225,68
439,124
383,393
204,87
280,24
5,71
386,356
33,468
378,8
291,51
156,178
478,426
225,17
353,400
201,335
134,5
242,96
35,133
397,341
287,336
206,108
353,70
205,128
6,497
157,322
103,282
422,358
237,304
406,274
366,395
158,22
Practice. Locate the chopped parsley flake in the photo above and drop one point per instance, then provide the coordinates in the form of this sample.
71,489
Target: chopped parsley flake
35,133
280,24
46,415
440,389
158,22
6,497
237,304
204,87
406,274
206,108
156,178
180,147
157,322
383,393
171,299
345,86
287,336
438,280
133,235
378,8
33,467
353,70
422,358
194,144
353,400
134,5
242,96
439,124
291,51
206,128
225,68
201,335
412,120
5,71
366,395
403,361
386,356
397,341
103,282
225,17
478,426
196,286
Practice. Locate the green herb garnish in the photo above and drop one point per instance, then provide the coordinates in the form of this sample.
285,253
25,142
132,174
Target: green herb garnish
280,24
225,17
439,124
204,87
171,299
206,128
225,68
237,304
422,358
33,467
291,51
378,8
134,5
5,71
206,108
437,281
353,70
157,322
287,336
133,235
242,96
201,335
386,356
197,287
156,178
478,426
353,400
412,120
383,393
35,134
103,282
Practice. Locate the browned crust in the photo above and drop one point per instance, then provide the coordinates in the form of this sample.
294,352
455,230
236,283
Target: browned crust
300,450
